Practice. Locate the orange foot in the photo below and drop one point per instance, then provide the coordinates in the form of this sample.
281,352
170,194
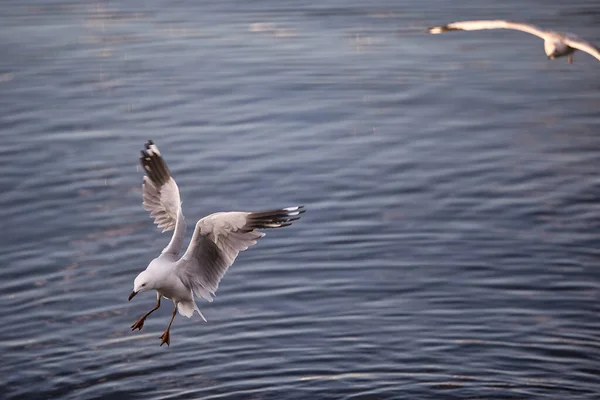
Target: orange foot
166,338
139,324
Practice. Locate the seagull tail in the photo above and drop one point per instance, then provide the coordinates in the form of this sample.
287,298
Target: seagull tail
197,309
187,308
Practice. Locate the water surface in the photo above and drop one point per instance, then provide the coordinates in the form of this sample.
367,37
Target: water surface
450,248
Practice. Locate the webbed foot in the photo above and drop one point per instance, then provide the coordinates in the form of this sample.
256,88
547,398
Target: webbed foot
139,324
166,338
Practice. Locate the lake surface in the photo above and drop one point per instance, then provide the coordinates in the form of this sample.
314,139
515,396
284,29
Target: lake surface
451,245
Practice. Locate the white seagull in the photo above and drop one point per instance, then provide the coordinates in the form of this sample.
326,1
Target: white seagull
216,242
555,44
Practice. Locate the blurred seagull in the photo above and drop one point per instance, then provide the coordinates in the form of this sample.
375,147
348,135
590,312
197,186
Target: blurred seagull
216,242
555,44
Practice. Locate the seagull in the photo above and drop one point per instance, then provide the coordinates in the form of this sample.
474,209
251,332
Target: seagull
215,244
555,44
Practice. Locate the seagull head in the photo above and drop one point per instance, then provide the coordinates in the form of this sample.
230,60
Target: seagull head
141,283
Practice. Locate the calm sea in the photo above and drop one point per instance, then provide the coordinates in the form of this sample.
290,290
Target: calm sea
451,245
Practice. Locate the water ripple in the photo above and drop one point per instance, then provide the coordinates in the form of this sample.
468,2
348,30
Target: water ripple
450,244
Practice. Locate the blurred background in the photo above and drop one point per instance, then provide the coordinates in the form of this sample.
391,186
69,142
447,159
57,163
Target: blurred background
451,243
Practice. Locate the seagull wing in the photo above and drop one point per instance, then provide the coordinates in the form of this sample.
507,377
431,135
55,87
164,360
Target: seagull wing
217,241
161,197
579,44
490,24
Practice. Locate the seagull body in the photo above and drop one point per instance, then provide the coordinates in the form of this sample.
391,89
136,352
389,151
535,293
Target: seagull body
216,242
555,44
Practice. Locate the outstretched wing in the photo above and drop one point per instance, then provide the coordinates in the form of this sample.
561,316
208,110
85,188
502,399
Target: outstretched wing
579,44
490,24
217,241
161,196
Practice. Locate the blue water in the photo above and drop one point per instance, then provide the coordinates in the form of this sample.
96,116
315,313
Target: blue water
451,244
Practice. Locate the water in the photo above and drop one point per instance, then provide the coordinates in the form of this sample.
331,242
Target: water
450,248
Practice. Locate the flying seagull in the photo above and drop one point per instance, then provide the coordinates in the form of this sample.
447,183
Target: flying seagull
555,44
216,242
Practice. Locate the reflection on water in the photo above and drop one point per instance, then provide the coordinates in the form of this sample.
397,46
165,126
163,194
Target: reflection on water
450,244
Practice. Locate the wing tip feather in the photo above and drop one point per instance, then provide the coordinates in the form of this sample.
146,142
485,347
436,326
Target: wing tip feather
434,30
274,218
154,165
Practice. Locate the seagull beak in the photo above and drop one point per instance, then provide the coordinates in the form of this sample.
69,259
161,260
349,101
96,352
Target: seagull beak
132,295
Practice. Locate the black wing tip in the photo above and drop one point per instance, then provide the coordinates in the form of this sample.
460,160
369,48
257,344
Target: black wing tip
147,148
440,29
275,218
281,212
154,165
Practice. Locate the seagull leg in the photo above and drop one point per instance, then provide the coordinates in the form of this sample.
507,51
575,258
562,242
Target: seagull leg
166,336
570,58
139,324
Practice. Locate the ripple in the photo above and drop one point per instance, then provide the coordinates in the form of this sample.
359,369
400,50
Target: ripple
450,244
